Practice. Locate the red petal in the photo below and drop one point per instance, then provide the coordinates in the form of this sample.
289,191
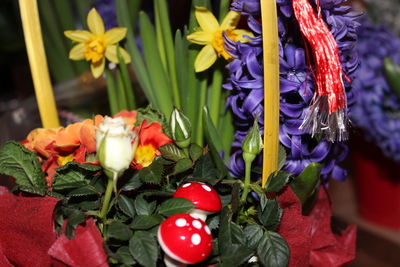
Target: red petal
26,229
152,134
84,250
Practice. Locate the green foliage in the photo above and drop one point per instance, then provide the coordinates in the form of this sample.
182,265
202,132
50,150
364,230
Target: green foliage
22,164
277,181
175,205
273,250
304,184
74,175
144,249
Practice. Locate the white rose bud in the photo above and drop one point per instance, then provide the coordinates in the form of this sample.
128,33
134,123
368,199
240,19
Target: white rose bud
115,148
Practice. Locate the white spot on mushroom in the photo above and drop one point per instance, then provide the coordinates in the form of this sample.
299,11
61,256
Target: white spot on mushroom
206,187
186,185
196,239
207,230
180,222
196,224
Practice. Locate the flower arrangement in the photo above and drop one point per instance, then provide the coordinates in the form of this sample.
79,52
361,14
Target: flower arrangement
154,186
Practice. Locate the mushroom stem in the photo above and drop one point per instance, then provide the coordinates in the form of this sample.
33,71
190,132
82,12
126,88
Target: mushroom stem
170,262
199,214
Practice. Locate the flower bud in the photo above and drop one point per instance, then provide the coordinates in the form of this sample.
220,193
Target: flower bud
115,146
252,143
181,128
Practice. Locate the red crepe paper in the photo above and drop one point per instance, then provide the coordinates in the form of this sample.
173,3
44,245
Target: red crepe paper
26,229
310,238
84,250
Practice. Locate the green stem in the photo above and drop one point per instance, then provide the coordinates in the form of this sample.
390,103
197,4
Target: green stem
215,99
130,97
111,91
122,98
107,197
246,180
202,101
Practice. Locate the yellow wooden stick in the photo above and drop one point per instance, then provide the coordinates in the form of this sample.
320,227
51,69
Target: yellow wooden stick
271,87
38,63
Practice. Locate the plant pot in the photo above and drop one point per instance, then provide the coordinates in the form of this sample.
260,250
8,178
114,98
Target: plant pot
378,185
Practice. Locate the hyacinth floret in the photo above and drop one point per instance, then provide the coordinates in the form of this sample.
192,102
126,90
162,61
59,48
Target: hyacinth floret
296,84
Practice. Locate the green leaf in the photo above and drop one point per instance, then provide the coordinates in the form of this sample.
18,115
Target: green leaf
195,151
257,188
125,255
172,152
22,164
144,248
273,250
269,213
144,222
74,216
119,231
74,175
127,205
253,233
30,189
235,200
277,181
83,191
304,184
205,171
151,114
152,174
133,183
142,206
281,157
175,205
392,73
182,165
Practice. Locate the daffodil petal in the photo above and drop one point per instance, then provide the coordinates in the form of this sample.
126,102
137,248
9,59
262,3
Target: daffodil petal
111,54
206,57
206,19
231,20
114,35
98,68
200,37
76,52
241,35
95,22
78,36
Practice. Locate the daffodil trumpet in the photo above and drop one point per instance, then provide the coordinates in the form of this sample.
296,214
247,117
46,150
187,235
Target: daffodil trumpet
97,45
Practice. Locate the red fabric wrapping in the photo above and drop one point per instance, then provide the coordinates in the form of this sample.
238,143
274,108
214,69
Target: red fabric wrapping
310,238
26,229
84,250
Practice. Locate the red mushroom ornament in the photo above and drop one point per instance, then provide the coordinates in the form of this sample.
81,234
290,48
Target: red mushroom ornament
205,199
184,239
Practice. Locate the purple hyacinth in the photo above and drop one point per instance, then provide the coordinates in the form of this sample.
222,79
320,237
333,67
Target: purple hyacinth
377,111
106,9
296,84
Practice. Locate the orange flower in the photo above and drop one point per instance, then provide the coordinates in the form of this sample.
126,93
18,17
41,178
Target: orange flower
128,116
40,139
151,138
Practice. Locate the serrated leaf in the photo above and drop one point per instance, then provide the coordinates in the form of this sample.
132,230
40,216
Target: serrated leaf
152,174
205,171
83,191
151,114
74,216
144,249
195,151
175,205
172,152
277,181
238,236
269,213
142,207
127,205
304,184
253,233
213,222
281,157
30,189
119,231
182,165
125,256
144,222
74,175
273,250
133,183
22,164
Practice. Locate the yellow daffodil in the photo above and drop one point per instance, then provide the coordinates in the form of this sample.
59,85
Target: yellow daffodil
211,35
96,45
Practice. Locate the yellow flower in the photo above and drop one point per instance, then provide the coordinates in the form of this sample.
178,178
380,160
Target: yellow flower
211,35
96,45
